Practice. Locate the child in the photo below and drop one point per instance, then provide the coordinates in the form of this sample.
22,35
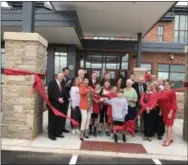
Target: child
119,111
103,110
75,103
96,110
147,100
111,95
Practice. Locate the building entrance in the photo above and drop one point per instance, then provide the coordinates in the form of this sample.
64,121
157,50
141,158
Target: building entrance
114,63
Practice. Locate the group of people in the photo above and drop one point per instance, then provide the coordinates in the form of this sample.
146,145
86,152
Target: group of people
101,105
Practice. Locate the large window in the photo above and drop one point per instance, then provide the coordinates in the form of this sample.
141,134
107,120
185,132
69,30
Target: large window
175,73
160,33
148,66
60,59
181,28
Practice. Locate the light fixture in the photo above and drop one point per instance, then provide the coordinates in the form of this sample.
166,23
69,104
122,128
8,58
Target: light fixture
171,56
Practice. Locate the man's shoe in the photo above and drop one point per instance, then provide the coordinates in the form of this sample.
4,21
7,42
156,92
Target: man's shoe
60,136
65,131
52,138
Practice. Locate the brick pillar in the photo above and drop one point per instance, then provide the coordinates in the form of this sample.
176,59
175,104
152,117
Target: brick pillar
22,111
185,123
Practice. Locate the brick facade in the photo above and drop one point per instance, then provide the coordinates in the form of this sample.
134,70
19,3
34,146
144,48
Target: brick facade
168,32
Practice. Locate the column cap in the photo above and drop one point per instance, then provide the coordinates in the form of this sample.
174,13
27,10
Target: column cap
186,49
21,36
139,69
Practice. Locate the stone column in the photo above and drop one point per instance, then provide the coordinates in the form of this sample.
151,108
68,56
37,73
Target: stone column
22,111
139,72
185,123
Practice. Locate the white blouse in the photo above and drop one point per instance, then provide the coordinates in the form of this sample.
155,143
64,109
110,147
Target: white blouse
75,96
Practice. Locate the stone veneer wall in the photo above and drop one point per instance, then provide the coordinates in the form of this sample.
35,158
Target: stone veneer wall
180,103
22,111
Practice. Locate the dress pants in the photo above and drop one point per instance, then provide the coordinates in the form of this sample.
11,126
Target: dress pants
54,124
75,114
64,111
148,124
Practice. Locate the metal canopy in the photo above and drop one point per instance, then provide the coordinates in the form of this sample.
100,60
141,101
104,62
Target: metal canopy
120,19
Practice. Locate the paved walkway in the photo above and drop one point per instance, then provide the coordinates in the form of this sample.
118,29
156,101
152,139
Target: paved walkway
71,144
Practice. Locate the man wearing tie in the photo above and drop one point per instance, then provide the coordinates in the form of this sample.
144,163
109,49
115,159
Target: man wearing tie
56,98
66,83
94,80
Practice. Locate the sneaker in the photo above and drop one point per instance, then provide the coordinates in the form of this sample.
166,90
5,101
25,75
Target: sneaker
100,133
73,131
115,138
77,131
107,133
124,138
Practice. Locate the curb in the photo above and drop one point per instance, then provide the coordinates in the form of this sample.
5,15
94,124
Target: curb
96,153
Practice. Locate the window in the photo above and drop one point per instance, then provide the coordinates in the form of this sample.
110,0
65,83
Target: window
160,33
60,59
175,73
148,66
125,61
181,28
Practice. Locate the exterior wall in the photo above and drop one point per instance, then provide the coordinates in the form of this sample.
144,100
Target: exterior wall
168,32
155,59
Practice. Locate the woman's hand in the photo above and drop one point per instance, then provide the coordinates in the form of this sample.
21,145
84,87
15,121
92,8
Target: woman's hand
170,115
148,109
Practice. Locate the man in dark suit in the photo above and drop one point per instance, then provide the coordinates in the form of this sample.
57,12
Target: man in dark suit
107,77
56,98
66,83
94,80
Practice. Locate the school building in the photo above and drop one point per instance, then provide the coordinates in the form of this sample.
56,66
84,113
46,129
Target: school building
96,36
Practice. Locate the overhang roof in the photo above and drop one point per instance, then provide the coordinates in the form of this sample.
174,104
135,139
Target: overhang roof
120,19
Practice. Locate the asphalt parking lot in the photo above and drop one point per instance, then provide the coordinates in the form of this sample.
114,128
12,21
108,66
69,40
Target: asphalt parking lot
16,157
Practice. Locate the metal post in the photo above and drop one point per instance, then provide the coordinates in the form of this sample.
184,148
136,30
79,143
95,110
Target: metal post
139,50
28,14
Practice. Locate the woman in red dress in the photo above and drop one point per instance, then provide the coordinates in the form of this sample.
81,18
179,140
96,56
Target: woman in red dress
168,105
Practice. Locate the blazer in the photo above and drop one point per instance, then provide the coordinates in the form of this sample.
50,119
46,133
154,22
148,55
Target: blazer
54,94
91,82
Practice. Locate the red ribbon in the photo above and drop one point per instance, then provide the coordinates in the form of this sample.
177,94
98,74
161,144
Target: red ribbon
39,85
130,125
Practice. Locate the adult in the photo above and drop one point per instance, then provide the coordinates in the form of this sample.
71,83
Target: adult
84,108
132,98
158,124
107,77
56,97
81,74
168,105
119,84
66,83
134,82
140,88
94,80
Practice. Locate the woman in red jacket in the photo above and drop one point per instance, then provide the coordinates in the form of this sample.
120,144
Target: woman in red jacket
168,105
148,101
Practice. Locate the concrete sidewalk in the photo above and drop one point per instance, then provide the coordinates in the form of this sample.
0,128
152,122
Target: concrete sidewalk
71,144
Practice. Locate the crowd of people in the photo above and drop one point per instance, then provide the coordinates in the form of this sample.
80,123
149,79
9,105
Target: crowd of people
101,105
